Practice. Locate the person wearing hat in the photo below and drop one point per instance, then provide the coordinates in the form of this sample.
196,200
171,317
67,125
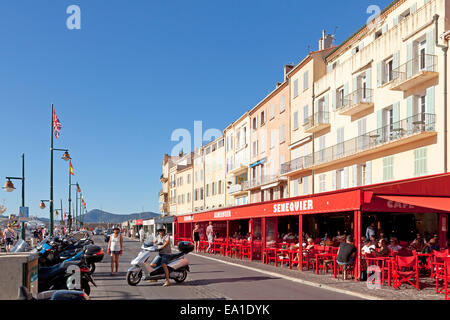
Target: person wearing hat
163,243
115,247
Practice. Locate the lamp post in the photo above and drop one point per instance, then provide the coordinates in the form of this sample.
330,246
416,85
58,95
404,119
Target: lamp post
76,198
65,157
9,187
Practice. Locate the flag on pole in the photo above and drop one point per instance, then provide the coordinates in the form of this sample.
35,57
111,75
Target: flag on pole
56,124
71,168
78,188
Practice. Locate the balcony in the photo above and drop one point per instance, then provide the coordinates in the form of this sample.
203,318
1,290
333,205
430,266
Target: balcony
163,178
236,189
414,73
237,168
262,181
412,129
163,207
297,165
317,122
357,102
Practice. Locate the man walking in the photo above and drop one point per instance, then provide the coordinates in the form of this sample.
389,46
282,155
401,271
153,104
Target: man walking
141,235
210,235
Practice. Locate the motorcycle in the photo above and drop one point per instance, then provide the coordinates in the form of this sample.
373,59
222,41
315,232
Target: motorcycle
64,276
71,295
141,269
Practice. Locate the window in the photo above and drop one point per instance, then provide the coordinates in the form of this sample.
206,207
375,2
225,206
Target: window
255,148
282,104
272,138
189,178
420,162
361,175
322,178
305,185
213,188
340,182
378,34
189,197
201,175
282,159
305,80
255,123
295,125
340,142
388,168
272,111
404,15
201,194
220,143
263,120
220,187
182,199
207,190
295,93
263,143
340,102
388,74
214,147
305,114
244,136
295,182
282,138
388,122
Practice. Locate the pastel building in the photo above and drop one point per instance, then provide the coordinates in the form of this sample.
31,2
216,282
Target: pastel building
269,144
237,144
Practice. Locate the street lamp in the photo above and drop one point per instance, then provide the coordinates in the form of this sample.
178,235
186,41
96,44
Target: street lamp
9,187
65,157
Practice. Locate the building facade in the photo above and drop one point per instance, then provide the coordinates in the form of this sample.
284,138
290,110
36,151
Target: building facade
370,110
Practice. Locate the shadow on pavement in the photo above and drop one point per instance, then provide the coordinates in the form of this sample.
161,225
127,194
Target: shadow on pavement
227,280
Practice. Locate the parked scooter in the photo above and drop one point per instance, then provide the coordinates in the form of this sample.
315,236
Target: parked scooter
64,276
72,295
178,265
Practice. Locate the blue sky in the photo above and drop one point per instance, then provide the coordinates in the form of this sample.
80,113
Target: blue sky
113,81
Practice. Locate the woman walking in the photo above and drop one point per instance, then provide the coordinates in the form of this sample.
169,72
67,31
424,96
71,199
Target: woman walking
196,237
9,235
115,247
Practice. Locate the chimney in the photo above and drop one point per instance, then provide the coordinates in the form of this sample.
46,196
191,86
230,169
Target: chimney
287,68
326,41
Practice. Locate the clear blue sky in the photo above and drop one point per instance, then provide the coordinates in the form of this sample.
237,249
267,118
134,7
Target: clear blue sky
113,82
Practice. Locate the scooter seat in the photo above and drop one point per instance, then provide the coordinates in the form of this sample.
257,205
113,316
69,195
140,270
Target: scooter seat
175,256
46,273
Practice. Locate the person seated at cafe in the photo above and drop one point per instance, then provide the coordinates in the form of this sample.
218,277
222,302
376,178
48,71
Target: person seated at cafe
248,237
328,242
418,244
346,253
368,248
289,236
324,237
394,246
430,246
383,250
310,244
382,236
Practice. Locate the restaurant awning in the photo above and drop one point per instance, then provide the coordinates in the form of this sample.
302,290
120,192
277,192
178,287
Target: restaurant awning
438,203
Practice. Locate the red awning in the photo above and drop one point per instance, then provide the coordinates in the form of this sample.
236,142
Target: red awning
437,203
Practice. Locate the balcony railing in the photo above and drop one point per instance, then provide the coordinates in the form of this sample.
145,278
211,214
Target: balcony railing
255,183
363,96
318,119
419,123
297,164
416,70
235,188
389,133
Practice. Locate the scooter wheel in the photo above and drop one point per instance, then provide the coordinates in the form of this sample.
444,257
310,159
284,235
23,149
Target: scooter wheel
182,277
133,278
85,286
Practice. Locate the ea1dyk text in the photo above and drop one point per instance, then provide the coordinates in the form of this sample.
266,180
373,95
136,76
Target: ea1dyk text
226,310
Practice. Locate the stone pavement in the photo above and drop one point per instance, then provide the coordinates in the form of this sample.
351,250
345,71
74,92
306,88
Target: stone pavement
405,292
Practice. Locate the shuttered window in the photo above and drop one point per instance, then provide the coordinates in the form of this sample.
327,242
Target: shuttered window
388,168
420,162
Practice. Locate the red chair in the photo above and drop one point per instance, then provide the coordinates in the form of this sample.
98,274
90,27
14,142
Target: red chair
246,251
437,261
308,255
270,255
406,270
443,274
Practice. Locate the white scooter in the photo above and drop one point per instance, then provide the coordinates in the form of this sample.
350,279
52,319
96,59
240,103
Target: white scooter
141,268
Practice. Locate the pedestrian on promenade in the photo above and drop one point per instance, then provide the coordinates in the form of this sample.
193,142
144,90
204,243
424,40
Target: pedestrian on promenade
115,249
210,235
196,237
9,236
163,242
141,235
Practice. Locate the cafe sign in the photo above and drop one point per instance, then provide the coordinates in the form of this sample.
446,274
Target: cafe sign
294,206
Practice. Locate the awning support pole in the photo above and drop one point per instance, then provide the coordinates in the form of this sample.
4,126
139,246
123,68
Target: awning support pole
357,239
300,242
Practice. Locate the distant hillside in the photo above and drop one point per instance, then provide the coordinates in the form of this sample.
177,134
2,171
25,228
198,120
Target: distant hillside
99,216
